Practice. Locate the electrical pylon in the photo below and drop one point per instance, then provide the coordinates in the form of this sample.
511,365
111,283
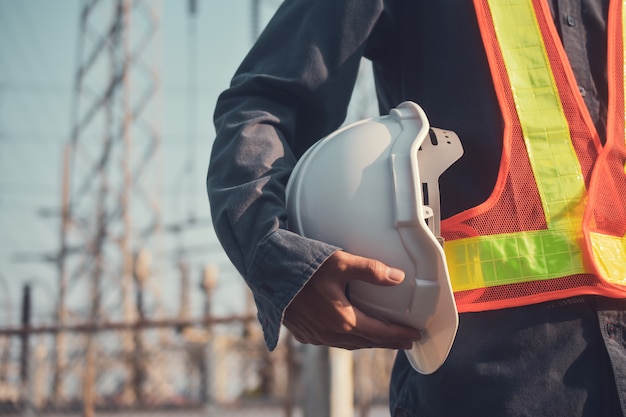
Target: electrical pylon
111,176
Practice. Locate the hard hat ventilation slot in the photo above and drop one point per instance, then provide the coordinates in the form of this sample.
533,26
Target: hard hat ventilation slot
433,137
425,201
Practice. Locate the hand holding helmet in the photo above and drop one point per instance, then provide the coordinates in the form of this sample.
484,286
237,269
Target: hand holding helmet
321,314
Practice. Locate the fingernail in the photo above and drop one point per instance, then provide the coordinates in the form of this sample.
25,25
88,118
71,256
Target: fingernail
395,275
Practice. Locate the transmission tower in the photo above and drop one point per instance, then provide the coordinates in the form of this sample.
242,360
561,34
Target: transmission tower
110,213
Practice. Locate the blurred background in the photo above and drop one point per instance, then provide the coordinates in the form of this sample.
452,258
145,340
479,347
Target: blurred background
115,295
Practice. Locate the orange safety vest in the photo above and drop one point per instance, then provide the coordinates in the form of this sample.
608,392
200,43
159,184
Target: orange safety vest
555,223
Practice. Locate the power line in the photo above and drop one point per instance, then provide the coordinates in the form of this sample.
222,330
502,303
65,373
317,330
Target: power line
36,87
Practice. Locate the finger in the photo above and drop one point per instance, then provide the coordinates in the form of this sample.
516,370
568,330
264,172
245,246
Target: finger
350,341
380,332
356,343
353,341
350,328
351,320
372,271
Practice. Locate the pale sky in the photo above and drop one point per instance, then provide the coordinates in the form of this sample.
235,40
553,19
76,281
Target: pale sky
38,49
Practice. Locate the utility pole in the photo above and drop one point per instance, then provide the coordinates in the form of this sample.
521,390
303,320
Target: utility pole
207,371
141,273
255,8
25,374
60,355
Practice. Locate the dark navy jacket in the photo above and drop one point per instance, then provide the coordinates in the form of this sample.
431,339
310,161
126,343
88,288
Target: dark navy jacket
294,87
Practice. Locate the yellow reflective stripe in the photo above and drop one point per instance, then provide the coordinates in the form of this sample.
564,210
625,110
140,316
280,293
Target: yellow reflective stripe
609,253
487,261
544,125
494,260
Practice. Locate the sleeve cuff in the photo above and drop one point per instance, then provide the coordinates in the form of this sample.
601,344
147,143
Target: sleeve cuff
282,265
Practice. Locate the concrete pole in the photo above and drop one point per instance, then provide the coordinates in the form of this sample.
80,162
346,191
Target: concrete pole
328,382
341,383
316,381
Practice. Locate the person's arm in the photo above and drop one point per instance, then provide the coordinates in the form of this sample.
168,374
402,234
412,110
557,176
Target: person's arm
292,89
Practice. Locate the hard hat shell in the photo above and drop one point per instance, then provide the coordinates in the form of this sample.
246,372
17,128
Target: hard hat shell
362,188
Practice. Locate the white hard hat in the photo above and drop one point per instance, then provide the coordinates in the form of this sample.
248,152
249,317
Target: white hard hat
372,189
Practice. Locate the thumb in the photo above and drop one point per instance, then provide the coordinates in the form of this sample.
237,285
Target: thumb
373,271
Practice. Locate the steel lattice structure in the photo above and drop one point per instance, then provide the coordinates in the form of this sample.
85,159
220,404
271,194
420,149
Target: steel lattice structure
110,216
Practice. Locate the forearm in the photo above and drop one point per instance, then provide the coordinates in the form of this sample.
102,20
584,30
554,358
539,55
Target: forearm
292,89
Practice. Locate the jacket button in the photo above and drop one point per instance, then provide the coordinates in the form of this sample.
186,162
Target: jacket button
570,21
610,329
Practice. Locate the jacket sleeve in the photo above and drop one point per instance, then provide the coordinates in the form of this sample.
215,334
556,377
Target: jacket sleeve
292,89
